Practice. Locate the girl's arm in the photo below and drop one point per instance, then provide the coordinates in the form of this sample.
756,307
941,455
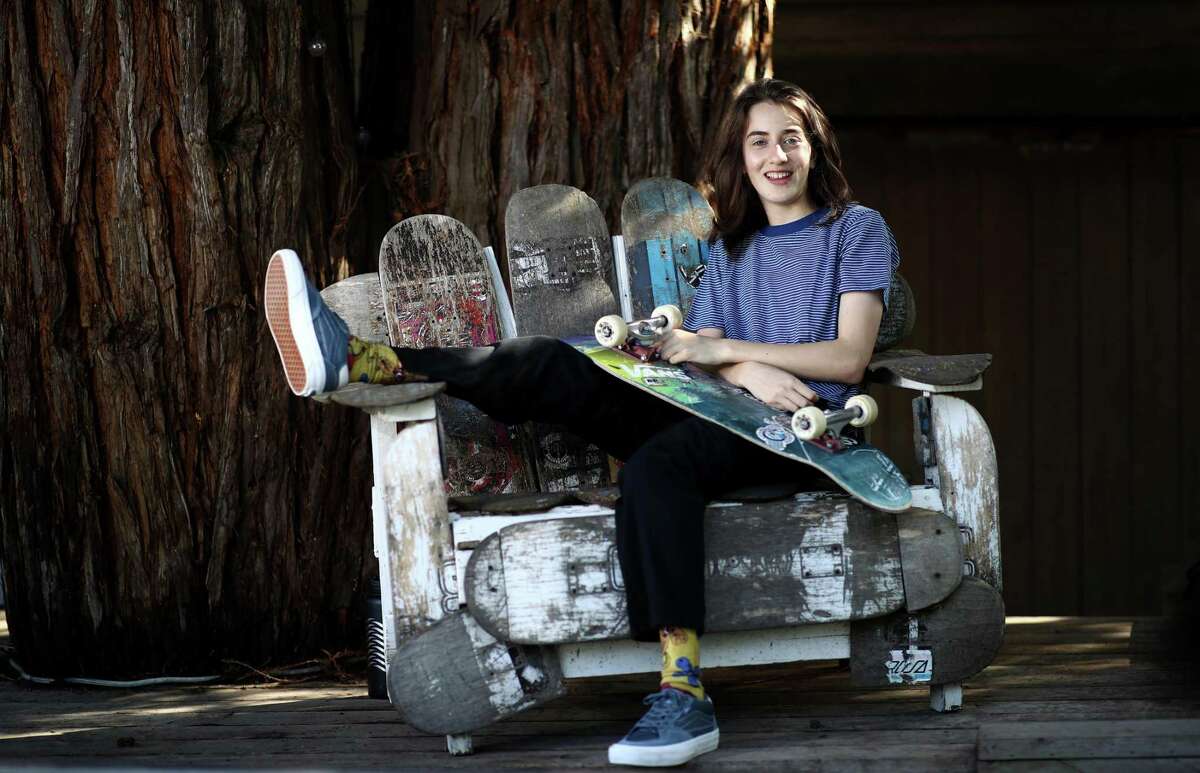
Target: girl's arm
843,359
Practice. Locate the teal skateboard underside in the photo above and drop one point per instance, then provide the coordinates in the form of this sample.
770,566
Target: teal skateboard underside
861,470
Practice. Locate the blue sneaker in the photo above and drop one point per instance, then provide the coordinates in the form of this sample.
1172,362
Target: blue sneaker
313,341
677,728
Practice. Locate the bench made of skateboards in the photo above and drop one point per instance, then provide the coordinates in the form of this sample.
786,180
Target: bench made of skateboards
491,601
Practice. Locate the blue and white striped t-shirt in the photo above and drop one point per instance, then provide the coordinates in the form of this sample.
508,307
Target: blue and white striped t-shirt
786,286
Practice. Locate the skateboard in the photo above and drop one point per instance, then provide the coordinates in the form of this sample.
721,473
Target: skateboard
560,262
666,224
768,565
437,291
810,436
454,677
949,642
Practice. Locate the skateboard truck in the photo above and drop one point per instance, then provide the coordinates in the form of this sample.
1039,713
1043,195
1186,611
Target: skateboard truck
810,422
637,337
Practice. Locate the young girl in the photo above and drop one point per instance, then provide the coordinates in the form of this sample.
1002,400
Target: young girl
789,309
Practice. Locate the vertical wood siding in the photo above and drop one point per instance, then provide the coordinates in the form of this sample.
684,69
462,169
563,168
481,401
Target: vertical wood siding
1071,259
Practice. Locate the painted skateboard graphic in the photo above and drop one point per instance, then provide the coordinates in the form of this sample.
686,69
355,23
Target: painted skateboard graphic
947,643
810,436
437,291
454,677
768,565
665,224
560,262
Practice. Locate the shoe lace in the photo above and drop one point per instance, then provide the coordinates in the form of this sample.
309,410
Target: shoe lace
665,706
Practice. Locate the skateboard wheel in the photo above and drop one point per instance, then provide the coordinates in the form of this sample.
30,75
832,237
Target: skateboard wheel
611,331
672,313
808,423
868,407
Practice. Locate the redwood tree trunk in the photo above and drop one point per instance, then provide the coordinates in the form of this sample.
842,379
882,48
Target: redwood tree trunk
163,500
498,96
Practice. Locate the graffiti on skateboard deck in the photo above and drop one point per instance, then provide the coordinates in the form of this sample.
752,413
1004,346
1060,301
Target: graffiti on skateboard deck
437,291
561,263
946,643
767,565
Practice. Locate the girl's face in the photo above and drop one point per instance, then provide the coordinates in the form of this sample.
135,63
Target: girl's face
777,154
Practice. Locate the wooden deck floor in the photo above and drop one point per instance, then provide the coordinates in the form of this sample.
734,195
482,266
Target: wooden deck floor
1066,693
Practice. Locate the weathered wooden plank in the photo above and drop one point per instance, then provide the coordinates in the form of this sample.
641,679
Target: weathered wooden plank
359,301
955,242
513,503
722,649
419,552
1006,270
455,677
968,479
1155,310
768,565
1112,739
1176,765
1189,330
1055,384
1104,240
950,642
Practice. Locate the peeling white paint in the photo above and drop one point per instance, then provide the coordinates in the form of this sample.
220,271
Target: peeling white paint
968,477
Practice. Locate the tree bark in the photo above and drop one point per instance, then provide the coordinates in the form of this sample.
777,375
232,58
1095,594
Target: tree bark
163,501
502,95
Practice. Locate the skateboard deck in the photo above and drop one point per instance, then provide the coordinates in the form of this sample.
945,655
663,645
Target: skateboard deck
437,291
949,642
665,224
862,471
560,262
899,314
768,565
454,677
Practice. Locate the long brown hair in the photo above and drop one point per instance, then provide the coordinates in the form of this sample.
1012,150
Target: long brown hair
739,212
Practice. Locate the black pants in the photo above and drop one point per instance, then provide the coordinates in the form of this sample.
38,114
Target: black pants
675,463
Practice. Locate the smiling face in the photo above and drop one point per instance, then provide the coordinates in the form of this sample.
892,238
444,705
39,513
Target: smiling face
777,155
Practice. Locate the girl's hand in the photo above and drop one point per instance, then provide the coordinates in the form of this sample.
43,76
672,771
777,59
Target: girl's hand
777,388
681,346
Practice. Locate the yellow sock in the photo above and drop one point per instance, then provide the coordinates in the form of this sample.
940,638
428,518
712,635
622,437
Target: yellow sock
681,660
374,363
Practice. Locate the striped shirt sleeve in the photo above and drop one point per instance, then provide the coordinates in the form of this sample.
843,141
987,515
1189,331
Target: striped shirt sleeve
867,255
707,309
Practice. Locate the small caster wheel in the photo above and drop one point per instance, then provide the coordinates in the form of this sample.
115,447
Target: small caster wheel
808,423
672,313
611,331
868,407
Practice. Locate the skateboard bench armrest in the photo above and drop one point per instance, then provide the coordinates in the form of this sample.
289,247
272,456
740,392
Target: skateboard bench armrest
913,369
374,398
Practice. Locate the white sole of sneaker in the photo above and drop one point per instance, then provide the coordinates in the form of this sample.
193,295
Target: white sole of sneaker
285,297
663,756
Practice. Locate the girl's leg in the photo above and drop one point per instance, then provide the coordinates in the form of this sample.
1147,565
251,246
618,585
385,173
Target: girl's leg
665,486
543,379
